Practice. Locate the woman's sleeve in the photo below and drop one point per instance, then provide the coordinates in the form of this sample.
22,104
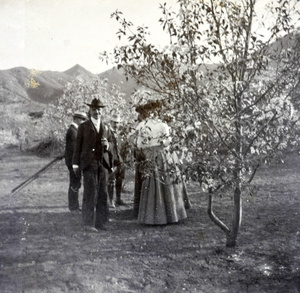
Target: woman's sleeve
166,135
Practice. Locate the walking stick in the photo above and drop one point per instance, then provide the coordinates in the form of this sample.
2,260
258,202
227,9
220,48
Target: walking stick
36,175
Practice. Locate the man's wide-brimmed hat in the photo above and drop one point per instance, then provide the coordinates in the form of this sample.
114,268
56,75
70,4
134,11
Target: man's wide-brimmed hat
81,115
115,117
96,103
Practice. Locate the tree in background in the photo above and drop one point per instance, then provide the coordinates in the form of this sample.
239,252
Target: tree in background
229,82
76,94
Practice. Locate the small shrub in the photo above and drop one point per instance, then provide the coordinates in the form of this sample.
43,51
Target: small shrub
7,138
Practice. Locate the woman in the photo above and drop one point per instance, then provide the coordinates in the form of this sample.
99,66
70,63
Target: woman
162,190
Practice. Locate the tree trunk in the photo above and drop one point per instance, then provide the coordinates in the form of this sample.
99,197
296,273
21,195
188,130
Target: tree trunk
232,232
213,217
231,237
237,209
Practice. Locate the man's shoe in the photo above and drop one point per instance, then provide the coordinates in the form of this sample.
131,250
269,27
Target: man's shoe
101,227
91,229
187,204
120,202
112,205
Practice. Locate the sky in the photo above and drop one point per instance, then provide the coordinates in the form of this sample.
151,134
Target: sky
58,34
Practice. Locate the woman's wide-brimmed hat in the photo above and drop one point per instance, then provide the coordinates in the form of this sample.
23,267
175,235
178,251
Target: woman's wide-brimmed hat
149,106
96,103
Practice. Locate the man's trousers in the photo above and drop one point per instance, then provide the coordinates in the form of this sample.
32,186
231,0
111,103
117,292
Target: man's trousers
94,203
74,185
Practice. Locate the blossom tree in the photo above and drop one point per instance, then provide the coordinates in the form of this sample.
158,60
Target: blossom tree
76,95
230,84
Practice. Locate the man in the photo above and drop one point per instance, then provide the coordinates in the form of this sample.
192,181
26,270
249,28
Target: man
92,156
75,181
116,178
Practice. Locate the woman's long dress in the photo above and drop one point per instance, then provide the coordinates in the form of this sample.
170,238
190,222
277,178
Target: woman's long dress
163,190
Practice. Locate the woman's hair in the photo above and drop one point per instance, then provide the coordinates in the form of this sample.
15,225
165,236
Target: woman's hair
152,106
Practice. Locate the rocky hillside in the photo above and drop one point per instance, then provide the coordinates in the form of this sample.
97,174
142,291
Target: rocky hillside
22,85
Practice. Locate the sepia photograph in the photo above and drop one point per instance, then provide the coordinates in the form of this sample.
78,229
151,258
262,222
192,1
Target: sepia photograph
150,146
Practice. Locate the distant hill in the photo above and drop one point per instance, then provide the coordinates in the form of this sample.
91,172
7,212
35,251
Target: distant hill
117,77
14,87
14,83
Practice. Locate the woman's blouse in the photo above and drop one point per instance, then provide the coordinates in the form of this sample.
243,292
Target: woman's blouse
152,133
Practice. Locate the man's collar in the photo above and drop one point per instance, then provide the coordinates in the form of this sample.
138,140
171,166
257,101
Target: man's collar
96,122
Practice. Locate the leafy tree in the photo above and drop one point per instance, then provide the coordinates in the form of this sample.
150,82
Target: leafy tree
76,95
229,82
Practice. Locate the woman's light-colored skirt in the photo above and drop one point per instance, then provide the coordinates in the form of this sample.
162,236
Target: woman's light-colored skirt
163,192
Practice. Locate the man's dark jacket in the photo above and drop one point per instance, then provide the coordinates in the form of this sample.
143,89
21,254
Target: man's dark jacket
70,145
118,148
88,145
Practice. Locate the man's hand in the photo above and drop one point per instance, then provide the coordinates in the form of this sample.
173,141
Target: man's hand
104,143
76,171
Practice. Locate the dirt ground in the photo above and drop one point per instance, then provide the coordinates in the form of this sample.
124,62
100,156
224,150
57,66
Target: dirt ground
43,247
